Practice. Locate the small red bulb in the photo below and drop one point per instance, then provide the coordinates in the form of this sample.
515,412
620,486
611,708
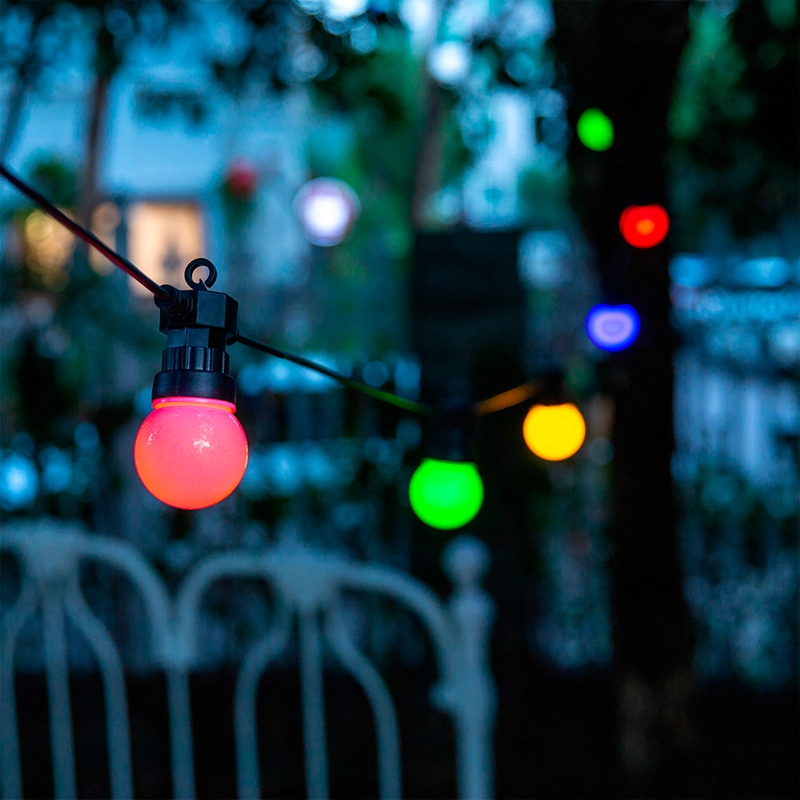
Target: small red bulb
190,452
644,226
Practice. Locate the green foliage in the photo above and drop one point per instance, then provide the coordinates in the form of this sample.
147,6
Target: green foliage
262,57
544,194
56,179
50,27
379,91
376,105
708,90
734,120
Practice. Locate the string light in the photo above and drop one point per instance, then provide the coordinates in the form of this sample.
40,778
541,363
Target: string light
595,130
445,494
191,451
612,327
554,432
644,226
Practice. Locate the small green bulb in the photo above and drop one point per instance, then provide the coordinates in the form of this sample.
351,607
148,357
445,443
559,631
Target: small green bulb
445,494
595,129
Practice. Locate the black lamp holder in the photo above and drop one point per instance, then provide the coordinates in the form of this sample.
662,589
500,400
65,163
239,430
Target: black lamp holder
199,324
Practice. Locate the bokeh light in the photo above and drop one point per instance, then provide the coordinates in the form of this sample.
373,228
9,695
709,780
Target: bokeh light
554,432
445,494
450,62
644,226
19,481
191,452
345,9
48,246
612,327
327,209
595,130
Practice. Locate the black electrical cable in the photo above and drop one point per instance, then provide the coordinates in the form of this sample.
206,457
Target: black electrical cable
498,402
379,394
84,235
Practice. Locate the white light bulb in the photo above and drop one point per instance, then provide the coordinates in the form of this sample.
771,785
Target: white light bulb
327,209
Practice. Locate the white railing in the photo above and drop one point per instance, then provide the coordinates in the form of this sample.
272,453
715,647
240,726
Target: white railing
308,585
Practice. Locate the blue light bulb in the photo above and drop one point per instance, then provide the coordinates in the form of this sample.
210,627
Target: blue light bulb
612,327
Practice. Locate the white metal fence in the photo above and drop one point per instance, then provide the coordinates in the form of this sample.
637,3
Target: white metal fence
308,587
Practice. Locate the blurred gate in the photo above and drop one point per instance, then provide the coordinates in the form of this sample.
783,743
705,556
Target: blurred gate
308,587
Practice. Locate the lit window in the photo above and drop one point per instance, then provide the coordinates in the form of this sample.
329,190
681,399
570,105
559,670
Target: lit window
162,239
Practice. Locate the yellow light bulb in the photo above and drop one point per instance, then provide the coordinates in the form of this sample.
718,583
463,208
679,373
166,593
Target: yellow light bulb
554,432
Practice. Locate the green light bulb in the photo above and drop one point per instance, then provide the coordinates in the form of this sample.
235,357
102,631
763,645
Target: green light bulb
595,129
445,494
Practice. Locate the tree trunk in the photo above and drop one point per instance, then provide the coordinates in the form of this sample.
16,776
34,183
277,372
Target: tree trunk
106,63
94,142
622,57
428,166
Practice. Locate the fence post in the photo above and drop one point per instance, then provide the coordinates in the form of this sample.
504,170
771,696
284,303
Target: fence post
466,560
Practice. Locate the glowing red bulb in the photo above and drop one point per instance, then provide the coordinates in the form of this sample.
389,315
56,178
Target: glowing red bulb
644,226
191,452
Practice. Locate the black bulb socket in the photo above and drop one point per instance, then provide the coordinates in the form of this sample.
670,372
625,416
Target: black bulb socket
198,324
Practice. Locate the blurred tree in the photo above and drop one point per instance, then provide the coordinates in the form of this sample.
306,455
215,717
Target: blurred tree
361,65
20,57
115,26
41,37
623,58
263,55
734,122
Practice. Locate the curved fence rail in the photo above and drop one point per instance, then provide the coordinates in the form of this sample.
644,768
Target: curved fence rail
308,586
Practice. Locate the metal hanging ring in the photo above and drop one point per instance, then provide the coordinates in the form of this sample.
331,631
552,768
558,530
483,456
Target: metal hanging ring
204,284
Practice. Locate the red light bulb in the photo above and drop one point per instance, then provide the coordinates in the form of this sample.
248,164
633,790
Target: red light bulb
644,226
190,452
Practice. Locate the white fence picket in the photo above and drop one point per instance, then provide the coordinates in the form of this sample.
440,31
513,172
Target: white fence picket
307,586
